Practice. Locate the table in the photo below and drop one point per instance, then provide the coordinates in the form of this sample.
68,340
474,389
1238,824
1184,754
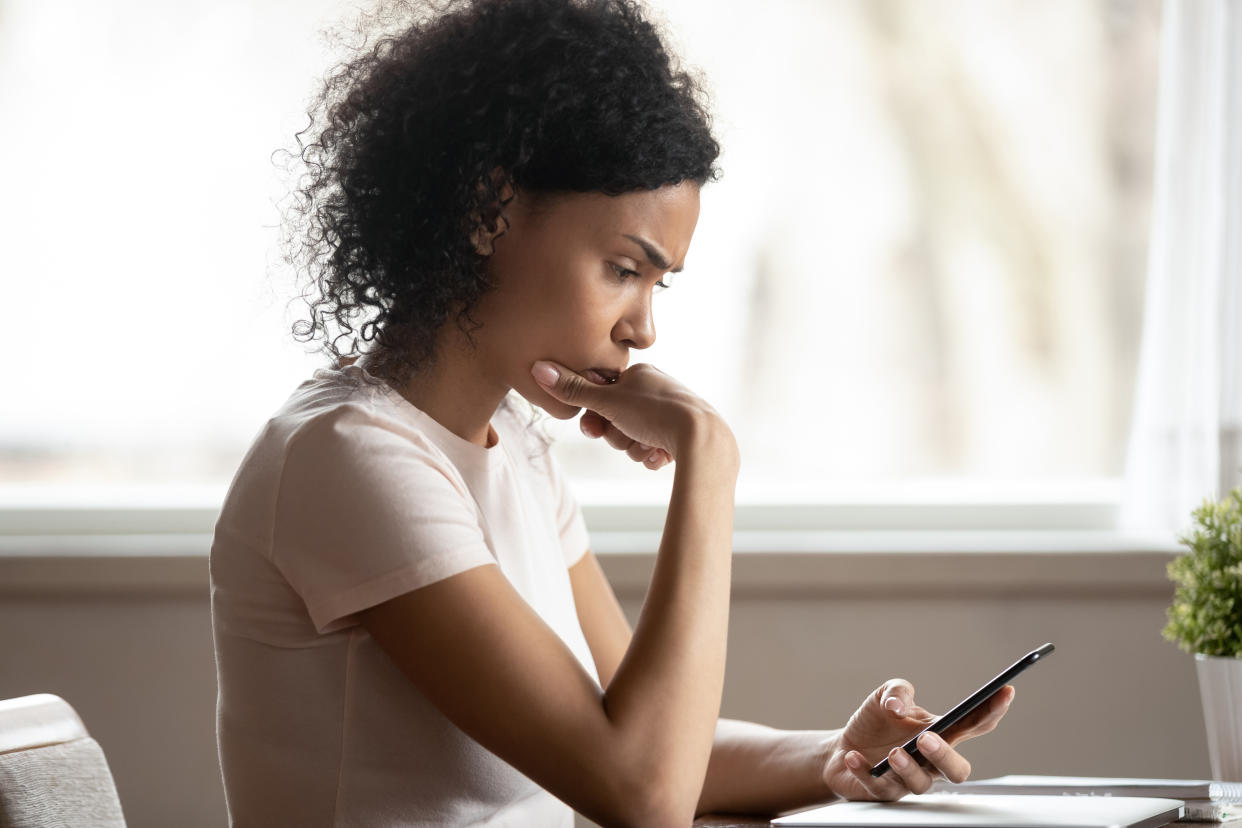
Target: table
726,821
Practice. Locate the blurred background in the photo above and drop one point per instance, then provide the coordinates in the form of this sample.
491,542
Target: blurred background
924,264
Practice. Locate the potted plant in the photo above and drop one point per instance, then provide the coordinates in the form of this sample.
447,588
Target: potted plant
1206,619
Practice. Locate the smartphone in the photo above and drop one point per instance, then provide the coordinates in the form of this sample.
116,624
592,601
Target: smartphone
969,703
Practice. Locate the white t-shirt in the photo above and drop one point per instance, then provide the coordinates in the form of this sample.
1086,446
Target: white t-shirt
351,496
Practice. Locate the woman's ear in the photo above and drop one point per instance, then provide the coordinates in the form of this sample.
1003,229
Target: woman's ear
489,222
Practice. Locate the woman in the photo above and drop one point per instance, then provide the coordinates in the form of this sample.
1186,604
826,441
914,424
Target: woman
410,627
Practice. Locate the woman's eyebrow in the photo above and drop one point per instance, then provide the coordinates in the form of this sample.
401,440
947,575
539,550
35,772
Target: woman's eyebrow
656,256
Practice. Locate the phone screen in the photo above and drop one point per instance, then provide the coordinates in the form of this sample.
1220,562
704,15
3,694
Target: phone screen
969,703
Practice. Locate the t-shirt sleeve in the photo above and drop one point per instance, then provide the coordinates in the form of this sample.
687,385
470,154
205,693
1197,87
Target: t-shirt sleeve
569,521
366,512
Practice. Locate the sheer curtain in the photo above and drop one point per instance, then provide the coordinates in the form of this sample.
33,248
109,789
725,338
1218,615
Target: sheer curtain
1186,439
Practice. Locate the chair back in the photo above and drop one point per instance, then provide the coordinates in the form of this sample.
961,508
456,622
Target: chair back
51,771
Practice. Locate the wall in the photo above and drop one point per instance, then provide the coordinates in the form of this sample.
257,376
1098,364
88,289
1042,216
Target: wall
126,638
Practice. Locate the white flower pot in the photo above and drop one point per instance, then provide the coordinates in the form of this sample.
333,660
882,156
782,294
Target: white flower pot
1220,687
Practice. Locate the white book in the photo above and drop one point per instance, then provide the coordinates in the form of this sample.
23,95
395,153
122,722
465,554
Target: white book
1186,789
952,811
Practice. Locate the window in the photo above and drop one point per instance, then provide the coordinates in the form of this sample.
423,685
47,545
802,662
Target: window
921,272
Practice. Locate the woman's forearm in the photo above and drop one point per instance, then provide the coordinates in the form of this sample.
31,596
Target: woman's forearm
761,770
665,697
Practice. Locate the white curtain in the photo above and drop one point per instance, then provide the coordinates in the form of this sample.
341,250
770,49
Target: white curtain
1186,438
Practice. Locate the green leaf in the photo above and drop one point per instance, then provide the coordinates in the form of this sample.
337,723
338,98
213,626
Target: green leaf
1206,614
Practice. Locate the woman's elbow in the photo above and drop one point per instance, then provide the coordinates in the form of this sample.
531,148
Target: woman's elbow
652,802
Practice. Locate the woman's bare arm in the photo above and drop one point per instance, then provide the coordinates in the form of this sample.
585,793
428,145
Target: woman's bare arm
753,769
637,752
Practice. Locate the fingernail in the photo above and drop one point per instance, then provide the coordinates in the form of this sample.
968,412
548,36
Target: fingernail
930,743
545,373
893,704
900,758
853,761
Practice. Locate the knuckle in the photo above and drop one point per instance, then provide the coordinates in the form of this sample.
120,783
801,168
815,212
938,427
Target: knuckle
894,686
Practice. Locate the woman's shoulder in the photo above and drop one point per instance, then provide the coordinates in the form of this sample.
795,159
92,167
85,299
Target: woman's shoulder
344,407
328,394
337,417
335,435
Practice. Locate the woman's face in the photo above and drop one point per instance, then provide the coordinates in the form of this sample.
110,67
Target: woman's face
574,276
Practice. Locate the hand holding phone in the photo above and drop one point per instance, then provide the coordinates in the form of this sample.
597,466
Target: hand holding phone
969,703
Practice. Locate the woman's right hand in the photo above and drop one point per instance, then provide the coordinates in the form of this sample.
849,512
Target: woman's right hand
646,413
886,719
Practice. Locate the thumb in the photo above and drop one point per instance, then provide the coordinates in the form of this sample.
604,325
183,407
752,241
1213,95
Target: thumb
563,384
897,696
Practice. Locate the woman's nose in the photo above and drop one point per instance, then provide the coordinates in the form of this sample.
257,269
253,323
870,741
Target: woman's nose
637,328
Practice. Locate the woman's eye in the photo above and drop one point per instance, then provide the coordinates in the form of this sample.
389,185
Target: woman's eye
626,273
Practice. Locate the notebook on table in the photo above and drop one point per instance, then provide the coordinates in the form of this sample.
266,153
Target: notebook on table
988,811
1206,800
1096,786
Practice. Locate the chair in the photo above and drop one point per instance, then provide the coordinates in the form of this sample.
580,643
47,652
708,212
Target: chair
51,772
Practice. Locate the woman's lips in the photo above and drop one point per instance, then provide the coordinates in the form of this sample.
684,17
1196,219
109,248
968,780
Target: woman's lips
601,376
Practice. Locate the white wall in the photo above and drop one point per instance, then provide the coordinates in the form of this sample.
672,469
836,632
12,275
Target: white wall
127,640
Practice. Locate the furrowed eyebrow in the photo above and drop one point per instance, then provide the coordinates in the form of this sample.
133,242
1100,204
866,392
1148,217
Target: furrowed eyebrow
654,254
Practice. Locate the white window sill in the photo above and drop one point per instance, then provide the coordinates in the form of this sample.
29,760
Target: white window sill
791,563
911,507
153,540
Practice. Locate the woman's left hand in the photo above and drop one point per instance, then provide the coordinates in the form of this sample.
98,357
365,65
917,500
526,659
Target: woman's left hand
595,426
886,721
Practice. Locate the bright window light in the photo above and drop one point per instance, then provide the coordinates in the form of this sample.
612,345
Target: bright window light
924,263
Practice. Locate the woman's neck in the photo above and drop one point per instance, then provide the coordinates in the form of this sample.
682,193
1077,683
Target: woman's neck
455,392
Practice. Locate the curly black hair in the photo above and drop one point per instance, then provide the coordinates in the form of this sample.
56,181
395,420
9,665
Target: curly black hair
417,138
